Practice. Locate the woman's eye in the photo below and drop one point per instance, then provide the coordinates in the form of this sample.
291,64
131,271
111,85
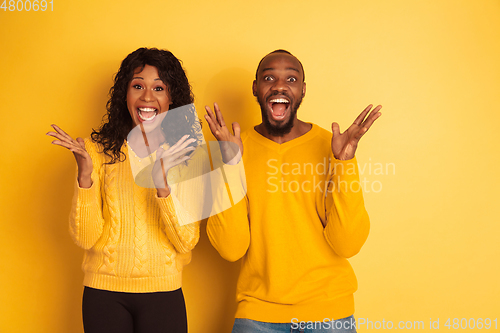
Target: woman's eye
158,89
137,86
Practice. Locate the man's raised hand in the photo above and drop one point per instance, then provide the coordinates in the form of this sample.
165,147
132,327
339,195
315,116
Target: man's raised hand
344,145
228,142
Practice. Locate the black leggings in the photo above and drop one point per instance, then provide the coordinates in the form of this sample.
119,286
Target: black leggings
116,312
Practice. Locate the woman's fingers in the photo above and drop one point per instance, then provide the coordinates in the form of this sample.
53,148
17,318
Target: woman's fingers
62,133
81,142
80,152
179,161
62,136
181,144
171,156
65,144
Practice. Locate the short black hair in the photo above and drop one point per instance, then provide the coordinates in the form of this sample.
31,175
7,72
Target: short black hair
281,51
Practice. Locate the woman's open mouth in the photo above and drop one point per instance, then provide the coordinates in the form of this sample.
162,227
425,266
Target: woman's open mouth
147,114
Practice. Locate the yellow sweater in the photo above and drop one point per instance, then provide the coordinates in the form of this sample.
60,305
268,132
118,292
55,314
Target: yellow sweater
292,266
133,240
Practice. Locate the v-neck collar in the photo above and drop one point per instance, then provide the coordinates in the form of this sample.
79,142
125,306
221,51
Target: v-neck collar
256,136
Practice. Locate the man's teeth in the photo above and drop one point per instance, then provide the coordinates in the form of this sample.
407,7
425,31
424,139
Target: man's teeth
148,110
279,100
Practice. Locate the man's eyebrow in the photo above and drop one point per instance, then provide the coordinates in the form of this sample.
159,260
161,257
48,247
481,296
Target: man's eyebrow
288,68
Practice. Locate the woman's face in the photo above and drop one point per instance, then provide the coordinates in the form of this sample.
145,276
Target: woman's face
147,97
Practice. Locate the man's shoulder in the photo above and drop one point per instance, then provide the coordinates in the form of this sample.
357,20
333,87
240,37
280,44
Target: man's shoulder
247,135
321,134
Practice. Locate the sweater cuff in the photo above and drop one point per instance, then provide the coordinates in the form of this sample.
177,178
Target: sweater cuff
166,205
86,195
175,214
236,180
345,169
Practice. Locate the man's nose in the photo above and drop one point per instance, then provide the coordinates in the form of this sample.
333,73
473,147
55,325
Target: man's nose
280,85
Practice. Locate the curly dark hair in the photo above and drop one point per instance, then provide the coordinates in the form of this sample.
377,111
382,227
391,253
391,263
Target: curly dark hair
117,122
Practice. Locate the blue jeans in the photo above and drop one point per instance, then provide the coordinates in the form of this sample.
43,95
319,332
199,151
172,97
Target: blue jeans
344,325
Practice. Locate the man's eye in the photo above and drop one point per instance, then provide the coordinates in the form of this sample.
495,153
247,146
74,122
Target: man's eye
268,78
292,79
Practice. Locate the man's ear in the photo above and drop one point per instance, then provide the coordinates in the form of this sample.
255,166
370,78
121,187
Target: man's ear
254,88
303,89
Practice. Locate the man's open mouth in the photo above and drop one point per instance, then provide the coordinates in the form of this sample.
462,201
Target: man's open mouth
279,107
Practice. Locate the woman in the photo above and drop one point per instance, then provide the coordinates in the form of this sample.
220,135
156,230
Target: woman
138,238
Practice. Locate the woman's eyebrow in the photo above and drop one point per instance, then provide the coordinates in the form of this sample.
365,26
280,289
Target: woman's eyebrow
141,78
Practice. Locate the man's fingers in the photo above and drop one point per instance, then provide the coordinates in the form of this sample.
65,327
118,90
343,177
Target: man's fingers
362,115
212,121
360,133
374,115
335,129
236,129
220,118
211,124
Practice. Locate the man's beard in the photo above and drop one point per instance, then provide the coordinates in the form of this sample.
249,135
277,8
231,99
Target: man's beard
282,128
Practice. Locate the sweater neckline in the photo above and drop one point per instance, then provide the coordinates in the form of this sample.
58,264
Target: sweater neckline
287,145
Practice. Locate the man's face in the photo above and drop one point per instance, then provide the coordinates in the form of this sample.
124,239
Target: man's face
279,89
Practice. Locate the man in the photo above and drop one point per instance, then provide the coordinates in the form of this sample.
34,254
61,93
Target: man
303,214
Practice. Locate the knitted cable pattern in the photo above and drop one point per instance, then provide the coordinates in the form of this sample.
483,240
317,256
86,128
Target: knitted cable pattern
142,199
110,188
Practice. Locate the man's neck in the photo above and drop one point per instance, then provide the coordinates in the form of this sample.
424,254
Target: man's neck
299,128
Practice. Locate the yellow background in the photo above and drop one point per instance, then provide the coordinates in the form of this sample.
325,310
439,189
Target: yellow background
434,65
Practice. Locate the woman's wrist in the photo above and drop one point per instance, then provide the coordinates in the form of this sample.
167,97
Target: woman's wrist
163,192
84,180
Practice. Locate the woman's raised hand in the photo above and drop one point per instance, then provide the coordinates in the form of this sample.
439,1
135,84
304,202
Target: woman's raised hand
227,141
77,147
167,159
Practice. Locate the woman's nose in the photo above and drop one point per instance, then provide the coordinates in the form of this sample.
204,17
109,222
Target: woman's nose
148,95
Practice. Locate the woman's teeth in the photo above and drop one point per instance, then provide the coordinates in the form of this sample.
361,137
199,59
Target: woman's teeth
146,113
